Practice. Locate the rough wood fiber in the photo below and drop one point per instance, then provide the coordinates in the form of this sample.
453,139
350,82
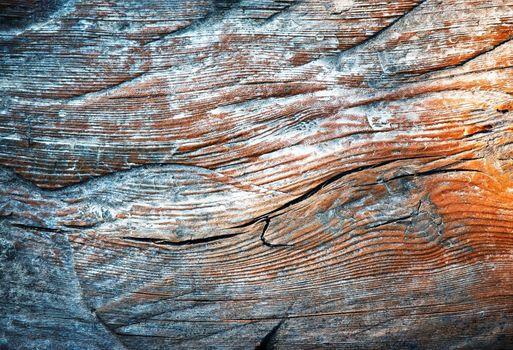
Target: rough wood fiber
256,174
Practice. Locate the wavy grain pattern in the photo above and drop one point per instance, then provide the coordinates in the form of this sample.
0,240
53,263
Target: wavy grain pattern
256,174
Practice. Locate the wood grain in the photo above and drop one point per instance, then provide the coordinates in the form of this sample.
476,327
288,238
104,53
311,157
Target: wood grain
197,174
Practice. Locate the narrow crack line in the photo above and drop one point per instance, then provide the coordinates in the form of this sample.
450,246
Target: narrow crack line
381,323
37,228
391,221
487,130
320,186
267,221
464,62
333,58
435,172
415,212
195,25
267,217
80,290
215,15
286,6
267,342
383,181
86,226
381,31
457,75
159,241
427,75
65,228
198,25
106,90
108,328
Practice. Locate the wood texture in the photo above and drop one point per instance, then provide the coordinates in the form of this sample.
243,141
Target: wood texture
285,174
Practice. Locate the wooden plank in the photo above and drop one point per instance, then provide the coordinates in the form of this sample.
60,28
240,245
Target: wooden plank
240,174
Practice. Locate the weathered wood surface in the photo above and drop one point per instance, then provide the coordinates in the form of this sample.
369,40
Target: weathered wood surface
256,174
